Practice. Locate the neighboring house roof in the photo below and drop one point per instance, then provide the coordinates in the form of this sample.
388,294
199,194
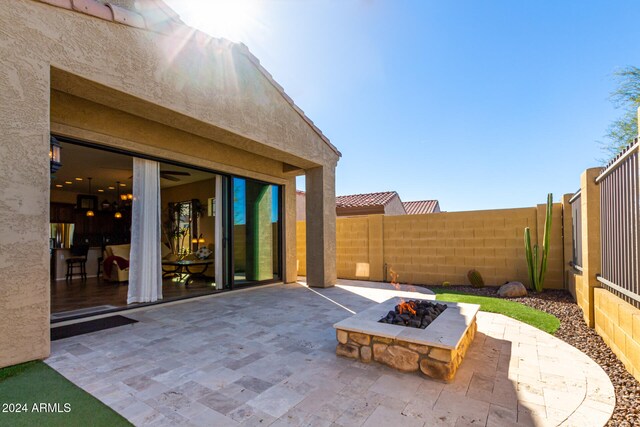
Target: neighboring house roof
365,200
157,16
421,207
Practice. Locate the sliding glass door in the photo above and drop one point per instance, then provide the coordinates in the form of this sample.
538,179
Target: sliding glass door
257,227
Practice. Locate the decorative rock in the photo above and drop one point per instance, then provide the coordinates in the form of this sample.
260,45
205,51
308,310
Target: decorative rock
382,340
365,354
347,350
422,349
441,354
438,370
361,339
512,289
397,357
342,336
378,350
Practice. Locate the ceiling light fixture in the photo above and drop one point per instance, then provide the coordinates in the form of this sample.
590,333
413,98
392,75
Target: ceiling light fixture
79,179
117,215
68,182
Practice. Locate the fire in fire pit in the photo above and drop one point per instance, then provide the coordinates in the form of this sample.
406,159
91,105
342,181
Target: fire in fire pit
414,313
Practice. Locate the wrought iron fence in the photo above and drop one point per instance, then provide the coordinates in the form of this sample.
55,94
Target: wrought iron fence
576,218
619,232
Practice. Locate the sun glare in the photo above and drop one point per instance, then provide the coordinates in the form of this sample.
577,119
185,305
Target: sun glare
231,19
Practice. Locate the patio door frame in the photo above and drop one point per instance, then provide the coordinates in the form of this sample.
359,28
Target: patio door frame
280,233
227,223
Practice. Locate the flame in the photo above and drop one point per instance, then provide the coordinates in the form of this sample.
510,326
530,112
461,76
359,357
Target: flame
405,307
394,282
394,278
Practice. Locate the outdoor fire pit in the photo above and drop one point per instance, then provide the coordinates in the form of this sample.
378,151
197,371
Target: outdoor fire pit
414,313
418,335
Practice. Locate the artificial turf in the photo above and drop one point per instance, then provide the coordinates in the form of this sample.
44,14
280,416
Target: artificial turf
43,392
539,319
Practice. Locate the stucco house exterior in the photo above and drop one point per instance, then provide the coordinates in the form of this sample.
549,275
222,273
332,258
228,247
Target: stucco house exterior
129,76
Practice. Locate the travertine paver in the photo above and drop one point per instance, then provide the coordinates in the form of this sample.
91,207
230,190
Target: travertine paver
267,357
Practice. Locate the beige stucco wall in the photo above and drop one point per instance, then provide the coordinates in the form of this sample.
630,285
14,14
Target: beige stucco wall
79,118
395,207
432,248
170,96
290,226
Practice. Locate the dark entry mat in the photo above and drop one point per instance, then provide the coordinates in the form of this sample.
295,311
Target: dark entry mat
90,326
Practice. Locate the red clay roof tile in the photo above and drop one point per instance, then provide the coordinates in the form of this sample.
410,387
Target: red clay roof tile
421,207
362,200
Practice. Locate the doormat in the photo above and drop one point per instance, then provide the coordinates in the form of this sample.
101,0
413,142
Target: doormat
90,326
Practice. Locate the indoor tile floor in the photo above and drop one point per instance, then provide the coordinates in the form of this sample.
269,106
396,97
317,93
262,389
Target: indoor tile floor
266,356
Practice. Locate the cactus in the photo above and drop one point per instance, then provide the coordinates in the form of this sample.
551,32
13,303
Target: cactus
475,278
536,276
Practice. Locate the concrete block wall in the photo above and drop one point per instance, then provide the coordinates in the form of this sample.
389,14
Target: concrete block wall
618,323
567,236
615,320
352,248
554,278
301,247
585,281
430,249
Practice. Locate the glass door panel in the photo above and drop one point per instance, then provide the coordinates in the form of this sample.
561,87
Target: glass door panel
256,231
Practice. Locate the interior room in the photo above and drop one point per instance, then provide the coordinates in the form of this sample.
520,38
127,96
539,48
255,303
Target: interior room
92,194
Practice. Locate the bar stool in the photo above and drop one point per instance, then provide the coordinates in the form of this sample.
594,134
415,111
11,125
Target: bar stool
78,259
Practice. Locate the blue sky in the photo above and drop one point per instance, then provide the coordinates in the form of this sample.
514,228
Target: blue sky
480,104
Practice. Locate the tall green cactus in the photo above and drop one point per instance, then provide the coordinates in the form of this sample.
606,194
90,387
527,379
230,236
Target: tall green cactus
537,277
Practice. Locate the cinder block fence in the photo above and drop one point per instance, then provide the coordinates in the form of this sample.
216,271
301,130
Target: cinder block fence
433,248
605,277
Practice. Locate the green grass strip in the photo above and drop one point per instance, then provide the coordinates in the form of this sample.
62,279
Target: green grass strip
35,383
539,319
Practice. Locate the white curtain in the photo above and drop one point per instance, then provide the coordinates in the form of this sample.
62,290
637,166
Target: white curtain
145,268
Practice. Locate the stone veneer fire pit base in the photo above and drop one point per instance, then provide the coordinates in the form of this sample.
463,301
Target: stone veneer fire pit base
436,351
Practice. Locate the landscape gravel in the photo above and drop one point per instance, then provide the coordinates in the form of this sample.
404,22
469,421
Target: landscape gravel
575,331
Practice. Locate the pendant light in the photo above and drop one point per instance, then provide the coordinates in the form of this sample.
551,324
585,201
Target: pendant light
90,212
117,215
54,155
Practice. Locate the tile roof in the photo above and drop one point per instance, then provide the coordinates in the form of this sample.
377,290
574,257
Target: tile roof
362,200
157,16
420,207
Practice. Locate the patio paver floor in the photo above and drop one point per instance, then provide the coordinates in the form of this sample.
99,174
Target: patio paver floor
267,357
